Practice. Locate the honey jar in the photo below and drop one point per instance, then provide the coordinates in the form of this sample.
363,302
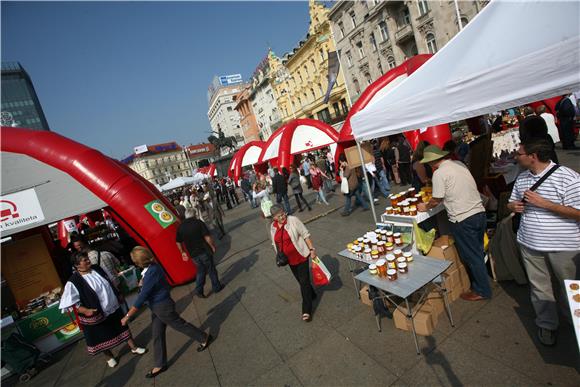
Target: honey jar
398,253
394,200
392,274
389,211
398,239
360,241
374,255
411,192
391,263
373,269
384,235
382,267
408,257
389,247
367,254
366,242
381,247
390,238
413,211
401,260
403,268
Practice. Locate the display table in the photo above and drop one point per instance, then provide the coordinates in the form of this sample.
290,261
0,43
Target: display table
573,296
423,271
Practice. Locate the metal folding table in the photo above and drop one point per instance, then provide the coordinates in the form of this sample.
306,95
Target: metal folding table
423,271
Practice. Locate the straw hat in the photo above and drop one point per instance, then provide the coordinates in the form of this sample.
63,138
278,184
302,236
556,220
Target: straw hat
432,153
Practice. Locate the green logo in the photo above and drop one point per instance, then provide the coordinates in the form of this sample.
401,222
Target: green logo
161,214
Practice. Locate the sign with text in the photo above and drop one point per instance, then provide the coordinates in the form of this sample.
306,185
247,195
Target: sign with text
140,149
226,80
20,209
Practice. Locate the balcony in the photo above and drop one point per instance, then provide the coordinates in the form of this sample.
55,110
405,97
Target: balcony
404,33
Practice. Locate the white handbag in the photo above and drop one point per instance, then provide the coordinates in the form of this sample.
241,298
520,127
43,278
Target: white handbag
343,184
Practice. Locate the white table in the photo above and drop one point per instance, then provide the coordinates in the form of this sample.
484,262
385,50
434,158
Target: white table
574,305
423,271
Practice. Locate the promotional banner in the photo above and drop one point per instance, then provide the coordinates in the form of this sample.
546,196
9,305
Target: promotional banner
333,68
161,214
19,209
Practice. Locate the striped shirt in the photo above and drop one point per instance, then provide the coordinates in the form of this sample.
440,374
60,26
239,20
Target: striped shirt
544,230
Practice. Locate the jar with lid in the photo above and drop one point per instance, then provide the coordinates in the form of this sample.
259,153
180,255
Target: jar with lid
374,255
373,269
403,268
391,261
408,257
381,267
398,239
367,254
392,274
390,237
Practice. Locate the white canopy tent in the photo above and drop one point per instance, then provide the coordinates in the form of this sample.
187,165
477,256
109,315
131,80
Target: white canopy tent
176,183
251,156
514,52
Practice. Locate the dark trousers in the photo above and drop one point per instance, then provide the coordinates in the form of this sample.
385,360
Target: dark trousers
405,173
302,274
286,202
567,133
299,197
468,235
205,266
163,314
308,180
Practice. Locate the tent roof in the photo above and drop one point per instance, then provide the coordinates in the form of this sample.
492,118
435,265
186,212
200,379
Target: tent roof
272,146
176,183
512,53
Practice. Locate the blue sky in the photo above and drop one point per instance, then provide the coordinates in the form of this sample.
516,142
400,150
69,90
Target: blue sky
114,75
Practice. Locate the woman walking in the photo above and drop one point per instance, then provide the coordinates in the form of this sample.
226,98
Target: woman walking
296,185
97,302
155,291
317,178
290,236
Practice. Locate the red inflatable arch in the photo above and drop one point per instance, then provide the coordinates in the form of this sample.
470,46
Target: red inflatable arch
296,137
247,155
114,183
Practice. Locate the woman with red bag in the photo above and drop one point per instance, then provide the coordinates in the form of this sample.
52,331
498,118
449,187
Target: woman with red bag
290,236
317,177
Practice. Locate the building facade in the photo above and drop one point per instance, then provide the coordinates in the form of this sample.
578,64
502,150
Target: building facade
247,119
300,78
20,104
375,36
263,99
160,163
221,113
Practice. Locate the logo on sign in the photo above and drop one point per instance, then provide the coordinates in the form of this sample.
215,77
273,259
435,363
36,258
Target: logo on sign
309,143
20,209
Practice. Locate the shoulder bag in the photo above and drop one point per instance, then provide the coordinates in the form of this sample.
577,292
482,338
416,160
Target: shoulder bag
517,218
281,258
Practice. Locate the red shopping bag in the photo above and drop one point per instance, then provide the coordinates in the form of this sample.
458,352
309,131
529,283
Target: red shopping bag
320,274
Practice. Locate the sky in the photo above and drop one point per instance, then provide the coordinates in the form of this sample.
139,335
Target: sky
114,75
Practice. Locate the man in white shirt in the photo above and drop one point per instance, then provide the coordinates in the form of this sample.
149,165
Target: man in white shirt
454,186
549,232
550,122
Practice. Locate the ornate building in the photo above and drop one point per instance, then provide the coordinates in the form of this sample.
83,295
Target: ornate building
300,78
247,117
375,36
263,99
221,113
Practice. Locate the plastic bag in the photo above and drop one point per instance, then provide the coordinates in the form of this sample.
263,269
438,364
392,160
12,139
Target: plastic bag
423,239
265,206
343,184
320,274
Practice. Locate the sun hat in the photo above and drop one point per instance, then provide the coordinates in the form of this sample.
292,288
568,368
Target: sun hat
433,153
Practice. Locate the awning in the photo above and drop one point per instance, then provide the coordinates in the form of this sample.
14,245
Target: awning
176,183
510,54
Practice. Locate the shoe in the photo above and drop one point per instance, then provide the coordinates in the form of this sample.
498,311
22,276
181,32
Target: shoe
547,337
139,351
201,295
152,374
220,289
344,213
306,317
366,209
471,296
375,200
300,210
309,208
204,346
112,362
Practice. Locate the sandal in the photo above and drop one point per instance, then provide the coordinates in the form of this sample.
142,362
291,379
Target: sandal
152,374
306,317
208,341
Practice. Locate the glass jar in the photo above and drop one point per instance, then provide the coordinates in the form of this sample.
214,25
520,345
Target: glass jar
381,247
398,239
381,267
392,274
398,253
391,261
374,255
373,269
390,238
367,254
403,268
408,257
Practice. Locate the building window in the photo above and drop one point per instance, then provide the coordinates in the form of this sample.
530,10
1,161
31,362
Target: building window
423,7
361,52
313,94
324,115
356,86
352,19
341,29
373,42
229,108
349,58
391,62
321,89
431,44
300,75
344,106
368,79
406,16
384,31
336,109
464,21
305,70
321,52
380,68
313,65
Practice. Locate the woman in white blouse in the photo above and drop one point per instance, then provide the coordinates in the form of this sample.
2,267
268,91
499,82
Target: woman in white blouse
97,302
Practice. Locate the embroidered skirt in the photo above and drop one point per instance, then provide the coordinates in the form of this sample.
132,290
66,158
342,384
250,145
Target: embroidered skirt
106,335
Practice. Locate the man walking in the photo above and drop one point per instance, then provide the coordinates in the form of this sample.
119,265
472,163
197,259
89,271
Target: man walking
549,232
280,188
247,190
566,114
194,234
454,186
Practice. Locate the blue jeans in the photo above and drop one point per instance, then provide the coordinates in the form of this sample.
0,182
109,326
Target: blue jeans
286,200
384,185
359,198
468,235
205,265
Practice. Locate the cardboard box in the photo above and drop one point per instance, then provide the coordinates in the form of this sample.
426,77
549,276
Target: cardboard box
353,158
444,248
464,278
423,320
364,296
435,300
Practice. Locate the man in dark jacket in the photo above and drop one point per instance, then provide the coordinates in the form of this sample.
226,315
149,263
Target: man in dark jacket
566,114
280,188
247,190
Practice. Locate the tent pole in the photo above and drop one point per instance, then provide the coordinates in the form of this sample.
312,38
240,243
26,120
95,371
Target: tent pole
368,185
